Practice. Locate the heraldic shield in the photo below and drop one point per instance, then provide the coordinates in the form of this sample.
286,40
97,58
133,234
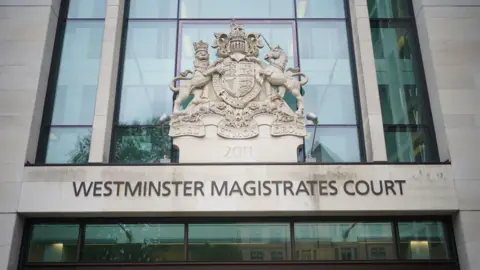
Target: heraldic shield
237,84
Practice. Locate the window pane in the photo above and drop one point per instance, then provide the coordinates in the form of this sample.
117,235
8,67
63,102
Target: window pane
324,57
78,74
333,144
409,145
134,243
423,240
68,145
53,243
389,8
344,241
401,95
276,34
236,9
149,67
333,104
86,9
142,144
320,9
238,242
153,9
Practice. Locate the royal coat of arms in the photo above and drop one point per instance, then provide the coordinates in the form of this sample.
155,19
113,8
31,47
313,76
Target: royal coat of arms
239,87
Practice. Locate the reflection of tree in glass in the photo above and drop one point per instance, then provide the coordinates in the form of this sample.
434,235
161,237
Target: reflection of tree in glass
136,142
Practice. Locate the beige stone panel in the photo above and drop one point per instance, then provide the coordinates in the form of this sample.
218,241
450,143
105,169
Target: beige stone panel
426,188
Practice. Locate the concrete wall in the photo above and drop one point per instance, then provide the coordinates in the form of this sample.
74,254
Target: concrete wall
449,33
27,32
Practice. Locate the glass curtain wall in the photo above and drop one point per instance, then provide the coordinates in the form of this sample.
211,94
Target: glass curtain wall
408,125
70,103
158,44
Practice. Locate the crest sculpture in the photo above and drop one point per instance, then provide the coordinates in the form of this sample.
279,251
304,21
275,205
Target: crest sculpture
238,94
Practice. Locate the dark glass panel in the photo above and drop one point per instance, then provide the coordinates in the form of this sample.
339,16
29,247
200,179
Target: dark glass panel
236,9
153,9
423,240
147,144
344,241
238,242
409,144
53,243
68,145
389,8
320,9
134,243
78,73
148,69
333,144
401,93
84,9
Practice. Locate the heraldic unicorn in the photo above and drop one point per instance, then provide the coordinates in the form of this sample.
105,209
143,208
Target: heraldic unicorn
238,92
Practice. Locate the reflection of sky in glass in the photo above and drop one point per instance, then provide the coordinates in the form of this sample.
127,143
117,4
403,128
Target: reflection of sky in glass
320,9
334,144
239,232
149,67
78,74
87,8
236,9
275,33
153,9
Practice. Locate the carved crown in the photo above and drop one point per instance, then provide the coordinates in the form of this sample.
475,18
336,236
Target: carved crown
237,37
200,46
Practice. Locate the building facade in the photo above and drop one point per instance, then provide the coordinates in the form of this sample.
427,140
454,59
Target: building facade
386,177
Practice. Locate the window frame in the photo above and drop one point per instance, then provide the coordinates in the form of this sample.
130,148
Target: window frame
291,221
419,69
52,84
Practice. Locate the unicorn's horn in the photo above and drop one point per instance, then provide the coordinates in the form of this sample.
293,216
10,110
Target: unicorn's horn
266,42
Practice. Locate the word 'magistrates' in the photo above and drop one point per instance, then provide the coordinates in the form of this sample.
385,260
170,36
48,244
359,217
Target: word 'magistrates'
238,188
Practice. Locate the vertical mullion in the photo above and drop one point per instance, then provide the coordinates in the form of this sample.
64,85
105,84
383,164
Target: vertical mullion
80,242
120,71
185,241
396,239
292,240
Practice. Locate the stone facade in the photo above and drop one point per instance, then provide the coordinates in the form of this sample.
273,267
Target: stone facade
450,43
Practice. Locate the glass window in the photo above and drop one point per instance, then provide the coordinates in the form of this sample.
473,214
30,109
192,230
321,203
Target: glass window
403,95
324,56
151,9
68,145
86,9
147,144
423,240
145,95
320,9
65,137
343,241
333,144
236,9
389,8
53,243
406,144
238,242
134,243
